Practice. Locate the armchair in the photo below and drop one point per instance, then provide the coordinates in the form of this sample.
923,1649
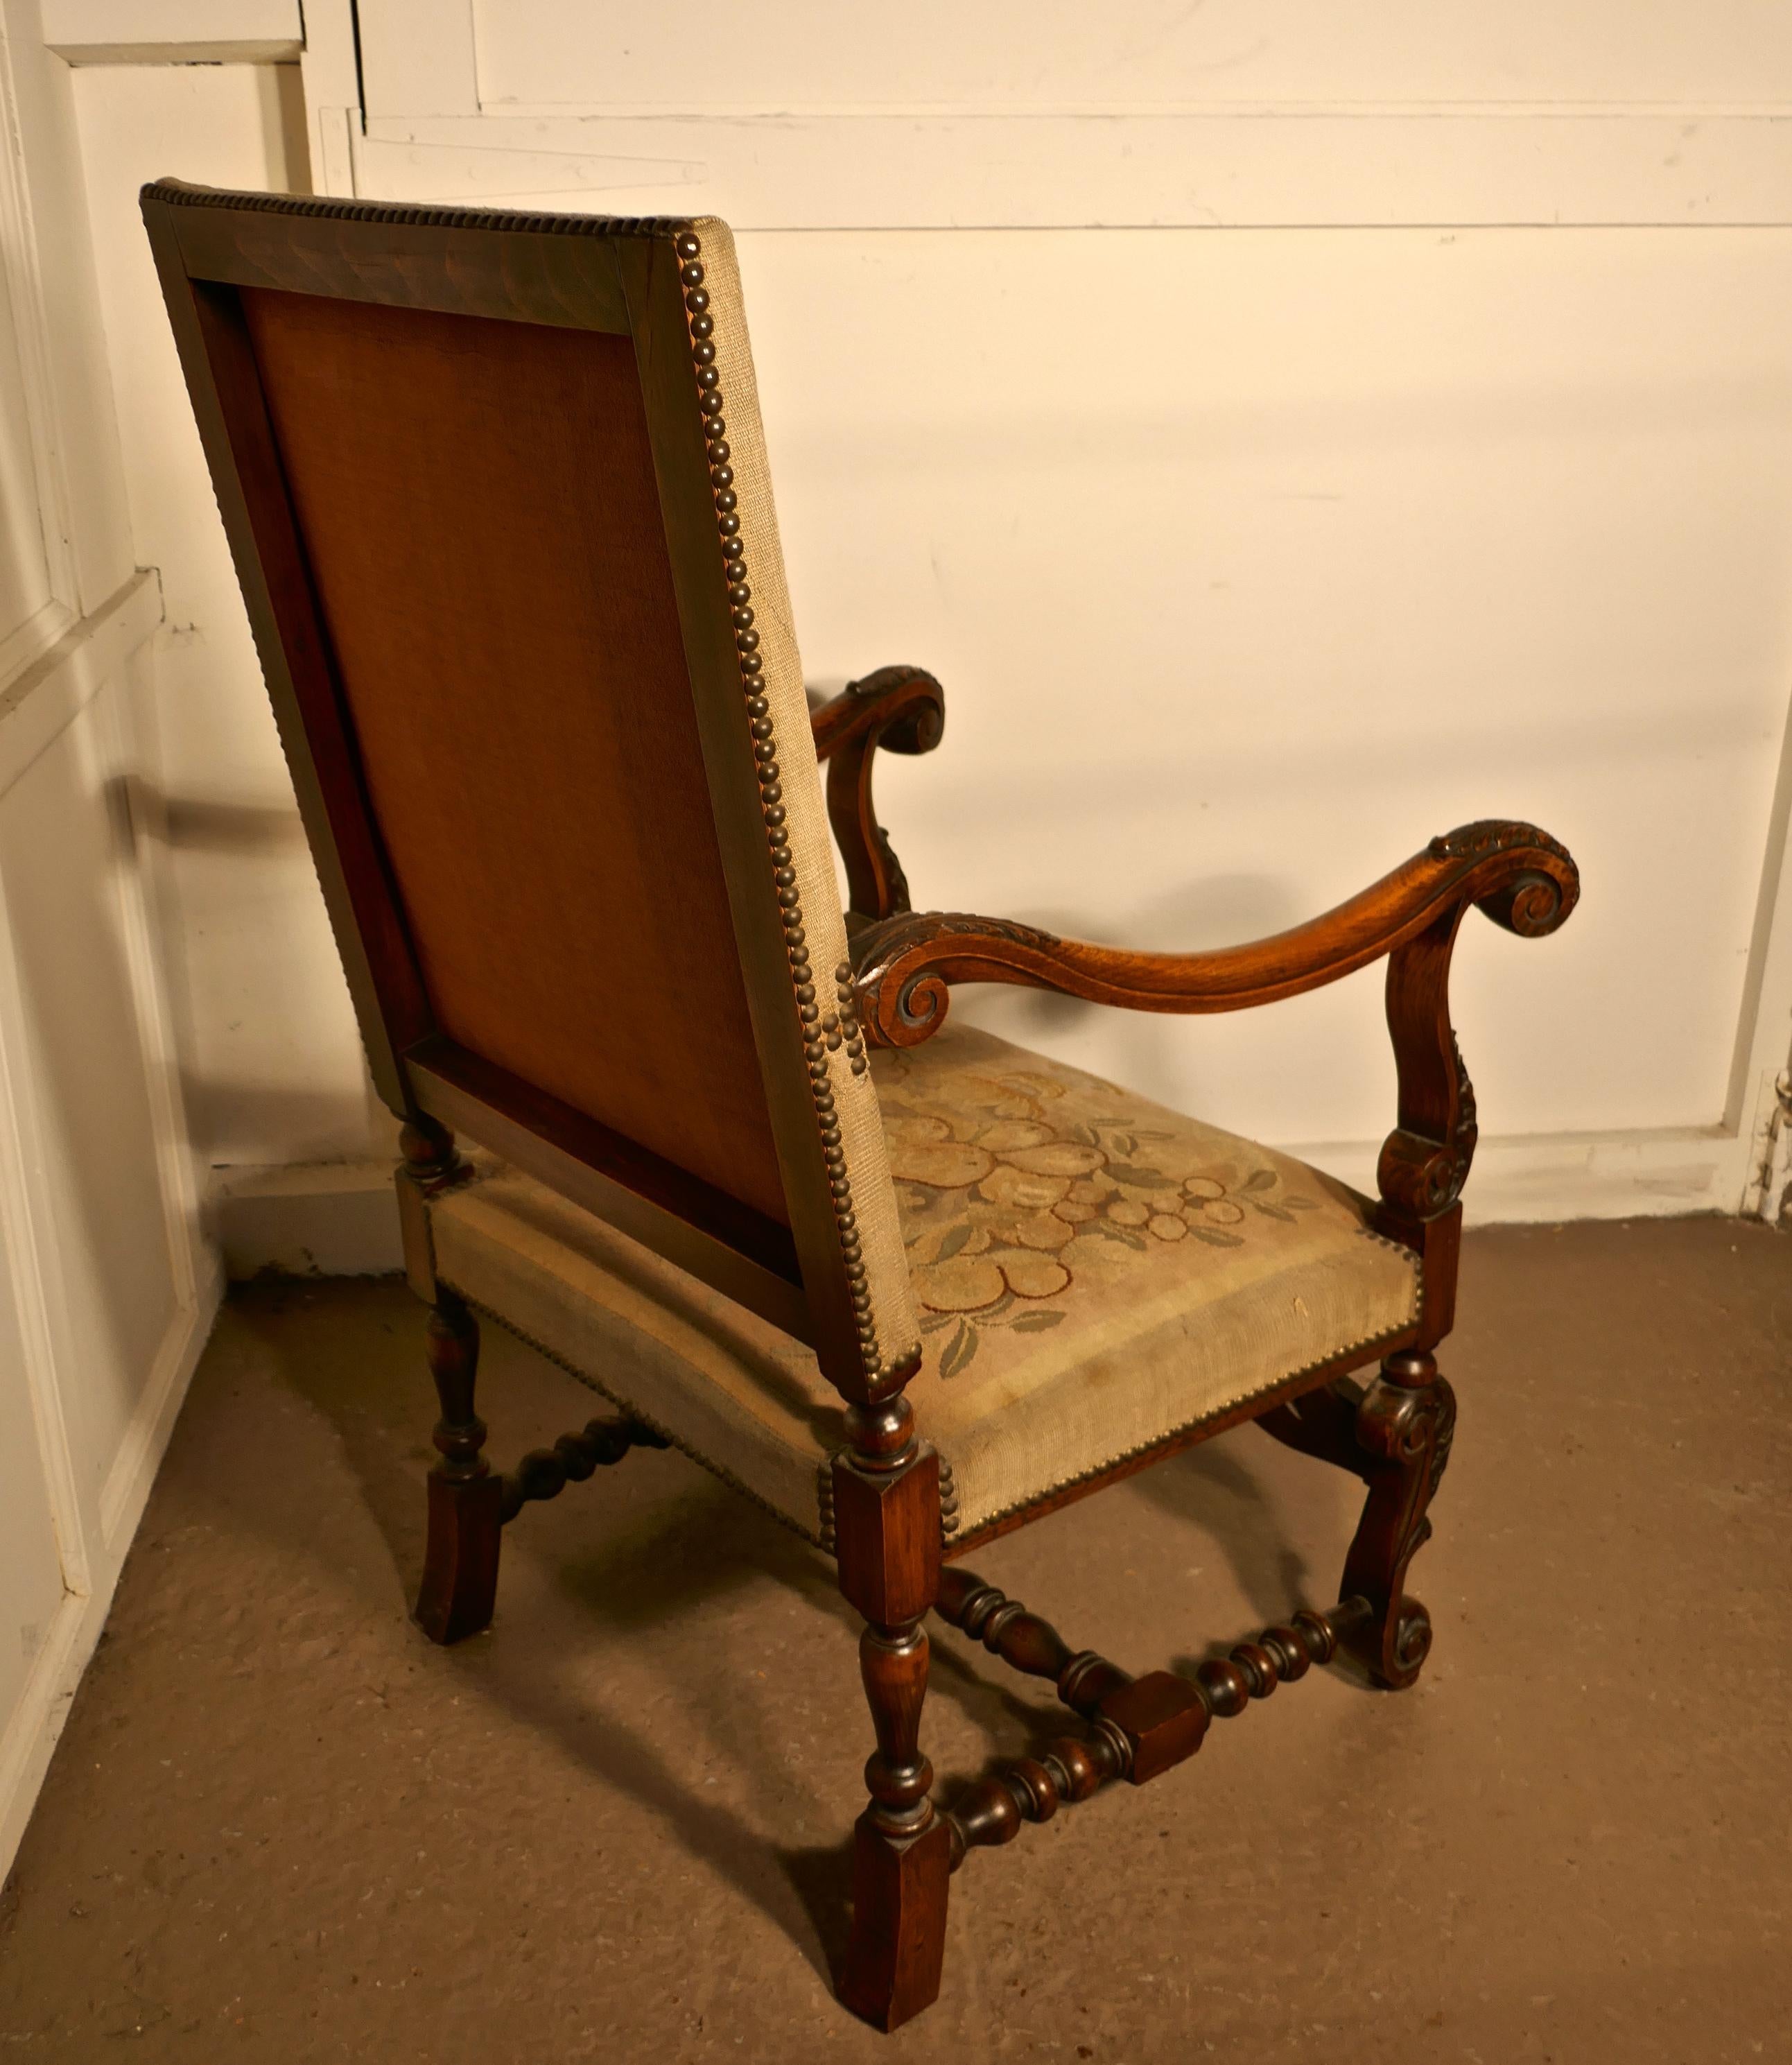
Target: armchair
515,582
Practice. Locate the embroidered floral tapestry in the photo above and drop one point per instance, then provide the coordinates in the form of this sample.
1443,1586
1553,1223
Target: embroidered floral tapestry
1023,1188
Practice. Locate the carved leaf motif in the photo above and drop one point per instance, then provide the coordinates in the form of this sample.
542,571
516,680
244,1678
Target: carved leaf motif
1465,1094
1488,836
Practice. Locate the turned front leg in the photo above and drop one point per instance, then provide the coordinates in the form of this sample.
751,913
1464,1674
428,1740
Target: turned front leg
460,1561
1403,1429
886,1521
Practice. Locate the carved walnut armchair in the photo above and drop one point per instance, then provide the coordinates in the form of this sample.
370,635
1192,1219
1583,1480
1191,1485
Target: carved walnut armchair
496,491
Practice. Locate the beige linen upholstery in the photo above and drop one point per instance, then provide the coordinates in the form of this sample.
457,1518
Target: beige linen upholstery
811,847
1092,1273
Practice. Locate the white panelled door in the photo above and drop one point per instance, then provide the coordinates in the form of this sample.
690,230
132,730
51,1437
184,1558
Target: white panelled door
107,1287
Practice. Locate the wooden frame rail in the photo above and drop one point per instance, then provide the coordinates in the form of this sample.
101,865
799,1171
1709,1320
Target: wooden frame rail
1143,1726
546,1473
1520,876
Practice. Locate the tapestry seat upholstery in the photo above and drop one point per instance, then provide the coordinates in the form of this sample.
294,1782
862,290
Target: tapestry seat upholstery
1091,1275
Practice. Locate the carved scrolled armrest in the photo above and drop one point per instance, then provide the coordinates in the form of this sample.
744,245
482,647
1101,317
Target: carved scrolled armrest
903,967
904,706
903,710
1523,880
1519,876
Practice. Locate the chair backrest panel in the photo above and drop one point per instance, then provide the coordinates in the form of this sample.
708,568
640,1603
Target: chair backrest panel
477,502
496,491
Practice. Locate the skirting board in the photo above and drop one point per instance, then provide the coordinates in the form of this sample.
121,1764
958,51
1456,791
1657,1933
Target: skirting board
318,1218
339,1218
1546,1177
31,1738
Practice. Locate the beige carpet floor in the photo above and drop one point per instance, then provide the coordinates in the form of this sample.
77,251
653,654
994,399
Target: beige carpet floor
281,1826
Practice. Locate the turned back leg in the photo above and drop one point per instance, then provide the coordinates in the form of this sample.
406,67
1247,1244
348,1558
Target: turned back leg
460,1561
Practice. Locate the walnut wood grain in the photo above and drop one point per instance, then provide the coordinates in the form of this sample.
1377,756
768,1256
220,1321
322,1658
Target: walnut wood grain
993,1811
1404,1428
460,1559
546,1473
1396,1436
1152,1723
1026,1642
1520,876
886,1520
902,709
1323,1424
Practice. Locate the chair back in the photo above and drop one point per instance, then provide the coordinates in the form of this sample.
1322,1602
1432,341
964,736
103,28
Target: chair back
496,489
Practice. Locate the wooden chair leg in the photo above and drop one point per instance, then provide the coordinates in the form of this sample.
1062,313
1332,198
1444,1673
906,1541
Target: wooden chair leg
460,1561
1403,1428
886,1519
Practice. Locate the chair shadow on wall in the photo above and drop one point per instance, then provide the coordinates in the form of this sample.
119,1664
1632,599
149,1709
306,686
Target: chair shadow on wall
620,1555
261,841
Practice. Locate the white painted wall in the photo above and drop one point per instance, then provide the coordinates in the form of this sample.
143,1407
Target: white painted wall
1238,601
1055,54
107,1287
1284,442
1287,434
274,1064
166,32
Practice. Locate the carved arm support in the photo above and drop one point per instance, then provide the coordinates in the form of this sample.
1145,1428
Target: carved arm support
903,710
1521,877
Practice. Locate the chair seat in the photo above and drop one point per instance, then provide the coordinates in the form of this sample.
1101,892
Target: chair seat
1093,1275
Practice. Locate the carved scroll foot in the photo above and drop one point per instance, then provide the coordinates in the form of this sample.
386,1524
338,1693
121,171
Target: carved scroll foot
1403,1430
460,1561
